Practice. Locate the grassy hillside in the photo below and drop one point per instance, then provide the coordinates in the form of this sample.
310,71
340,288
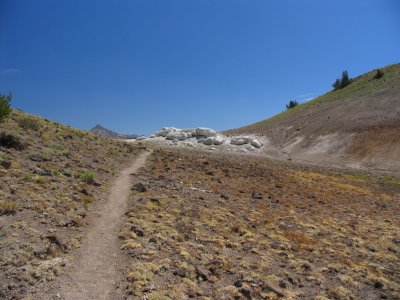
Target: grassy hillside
50,176
364,86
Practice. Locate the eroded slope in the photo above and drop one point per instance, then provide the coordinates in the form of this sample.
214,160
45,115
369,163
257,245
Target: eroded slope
356,126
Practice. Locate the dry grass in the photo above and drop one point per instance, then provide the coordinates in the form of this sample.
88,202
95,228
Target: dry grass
315,233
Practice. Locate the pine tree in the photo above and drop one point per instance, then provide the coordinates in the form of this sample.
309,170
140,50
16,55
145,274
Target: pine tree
292,103
379,73
5,108
345,79
336,84
341,83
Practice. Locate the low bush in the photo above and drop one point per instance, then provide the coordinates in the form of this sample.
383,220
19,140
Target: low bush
5,108
379,73
341,83
7,207
87,177
28,123
9,140
292,104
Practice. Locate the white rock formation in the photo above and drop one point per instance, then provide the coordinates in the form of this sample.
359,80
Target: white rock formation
209,141
207,132
207,137
256,143
218,141
237,141
177,135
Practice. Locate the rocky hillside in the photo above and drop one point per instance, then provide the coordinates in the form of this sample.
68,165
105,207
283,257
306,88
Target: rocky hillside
357,126
49,181
100,130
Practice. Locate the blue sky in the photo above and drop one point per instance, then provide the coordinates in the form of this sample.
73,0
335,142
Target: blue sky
136,65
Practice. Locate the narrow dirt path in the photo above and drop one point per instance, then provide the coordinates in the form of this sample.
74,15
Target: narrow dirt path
96,271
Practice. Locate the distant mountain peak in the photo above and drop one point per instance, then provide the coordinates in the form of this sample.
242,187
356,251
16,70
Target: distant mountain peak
100,130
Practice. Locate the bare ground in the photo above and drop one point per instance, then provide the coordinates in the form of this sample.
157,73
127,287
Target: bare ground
96,273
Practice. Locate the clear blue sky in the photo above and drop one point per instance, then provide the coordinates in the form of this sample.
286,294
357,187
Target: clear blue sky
136,65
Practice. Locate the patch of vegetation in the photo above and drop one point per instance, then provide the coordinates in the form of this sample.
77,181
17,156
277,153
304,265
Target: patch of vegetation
292,104
5,108
341,83
28,123
7,207
87,177
9,140
379,74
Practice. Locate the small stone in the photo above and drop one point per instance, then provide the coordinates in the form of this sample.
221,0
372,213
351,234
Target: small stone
66,172
201,274
139,187
282,284
256,195
57,241
96,183
180,273
246,292
238,283
38,157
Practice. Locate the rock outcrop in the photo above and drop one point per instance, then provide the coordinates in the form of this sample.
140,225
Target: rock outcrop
205,136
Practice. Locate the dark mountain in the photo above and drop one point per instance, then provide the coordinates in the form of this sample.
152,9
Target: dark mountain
100,130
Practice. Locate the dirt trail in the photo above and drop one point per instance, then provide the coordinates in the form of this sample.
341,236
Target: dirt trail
96,272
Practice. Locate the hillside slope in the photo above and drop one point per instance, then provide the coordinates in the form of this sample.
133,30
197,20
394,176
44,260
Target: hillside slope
356,126
49,182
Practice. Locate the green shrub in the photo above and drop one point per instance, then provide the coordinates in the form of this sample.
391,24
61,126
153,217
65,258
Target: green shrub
29,123
5,108
8,140
87,177
7,207
341,83
379,73
292,103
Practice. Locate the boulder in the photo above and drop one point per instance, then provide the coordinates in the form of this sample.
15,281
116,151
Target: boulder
246,139
177,135
207,132
191,131
165,130
237,142
209,141
218,141
240,140
256,143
